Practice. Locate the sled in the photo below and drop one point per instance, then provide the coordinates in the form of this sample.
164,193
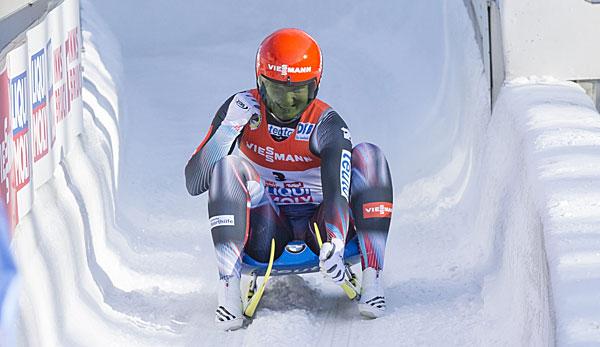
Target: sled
297,258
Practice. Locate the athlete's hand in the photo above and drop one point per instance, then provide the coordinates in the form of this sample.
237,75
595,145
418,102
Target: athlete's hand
332,260
241,109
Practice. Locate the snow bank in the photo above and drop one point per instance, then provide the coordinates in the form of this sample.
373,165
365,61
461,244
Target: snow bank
560,144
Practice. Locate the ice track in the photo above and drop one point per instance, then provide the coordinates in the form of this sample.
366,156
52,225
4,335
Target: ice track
124,255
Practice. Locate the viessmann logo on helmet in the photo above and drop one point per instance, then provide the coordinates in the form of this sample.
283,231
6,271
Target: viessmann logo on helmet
285,70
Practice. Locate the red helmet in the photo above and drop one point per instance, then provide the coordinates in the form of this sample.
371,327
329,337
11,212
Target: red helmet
289,55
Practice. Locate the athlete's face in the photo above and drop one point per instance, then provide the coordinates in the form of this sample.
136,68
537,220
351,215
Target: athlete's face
285,101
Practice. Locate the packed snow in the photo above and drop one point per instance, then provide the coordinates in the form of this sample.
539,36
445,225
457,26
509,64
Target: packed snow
561,144
116,252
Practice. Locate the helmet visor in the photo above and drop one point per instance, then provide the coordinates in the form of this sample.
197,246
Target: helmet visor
287,100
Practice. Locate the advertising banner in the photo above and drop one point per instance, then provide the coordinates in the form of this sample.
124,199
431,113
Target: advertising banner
43,160
41,107
7,193
58,85
72,44
19,101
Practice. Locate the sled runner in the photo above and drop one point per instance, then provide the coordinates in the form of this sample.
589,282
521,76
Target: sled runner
297,258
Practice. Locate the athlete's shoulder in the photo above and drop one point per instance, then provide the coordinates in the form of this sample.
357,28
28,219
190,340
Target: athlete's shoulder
316,111
326,112
330,130
321,106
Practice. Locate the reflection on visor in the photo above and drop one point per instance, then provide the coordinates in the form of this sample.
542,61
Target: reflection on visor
287,100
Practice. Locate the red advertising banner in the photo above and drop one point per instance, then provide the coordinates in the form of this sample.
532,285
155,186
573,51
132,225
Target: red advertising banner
72,44
60,86
56,81
74,67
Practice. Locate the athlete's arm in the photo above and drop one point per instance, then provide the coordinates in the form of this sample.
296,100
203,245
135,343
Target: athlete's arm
226,126
331,142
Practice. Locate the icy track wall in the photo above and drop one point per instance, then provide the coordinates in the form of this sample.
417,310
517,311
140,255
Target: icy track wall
40,111
557,128
559,136
62,284
40,106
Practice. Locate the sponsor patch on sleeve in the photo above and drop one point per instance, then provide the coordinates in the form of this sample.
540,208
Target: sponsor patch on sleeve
222,220
345,170
377,210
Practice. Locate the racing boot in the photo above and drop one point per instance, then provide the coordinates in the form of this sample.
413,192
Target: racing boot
372,298
229,314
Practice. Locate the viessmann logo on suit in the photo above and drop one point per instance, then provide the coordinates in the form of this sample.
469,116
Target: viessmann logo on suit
272,156
377,210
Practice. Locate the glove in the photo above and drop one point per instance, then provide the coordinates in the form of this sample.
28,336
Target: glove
242,107
331,260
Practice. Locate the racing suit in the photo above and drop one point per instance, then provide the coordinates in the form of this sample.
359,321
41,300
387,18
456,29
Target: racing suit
268,179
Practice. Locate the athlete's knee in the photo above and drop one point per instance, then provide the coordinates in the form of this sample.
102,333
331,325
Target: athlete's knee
225,165
236,167
367,153
372,197
366,146
369,165
232,171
